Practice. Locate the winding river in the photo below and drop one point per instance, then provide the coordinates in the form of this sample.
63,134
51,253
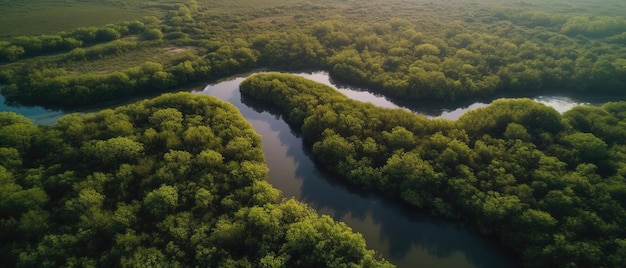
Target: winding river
403,235
406,237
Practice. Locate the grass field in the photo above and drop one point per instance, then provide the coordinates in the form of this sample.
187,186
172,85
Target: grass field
35,17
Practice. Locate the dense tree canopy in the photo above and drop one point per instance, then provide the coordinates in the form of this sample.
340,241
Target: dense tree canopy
179,180
548,185
390,47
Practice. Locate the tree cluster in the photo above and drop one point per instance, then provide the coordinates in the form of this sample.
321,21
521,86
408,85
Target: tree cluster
551,186
179,180
54,86
468,59
499,49
28,46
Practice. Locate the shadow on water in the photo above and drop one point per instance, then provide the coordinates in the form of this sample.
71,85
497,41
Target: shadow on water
404,235
39,115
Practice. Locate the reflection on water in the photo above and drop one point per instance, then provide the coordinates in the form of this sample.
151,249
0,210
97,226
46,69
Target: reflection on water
38,114
449,110
353,93
403,235
452,109
560,104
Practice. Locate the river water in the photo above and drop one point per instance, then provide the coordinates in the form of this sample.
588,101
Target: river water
405,236
39,115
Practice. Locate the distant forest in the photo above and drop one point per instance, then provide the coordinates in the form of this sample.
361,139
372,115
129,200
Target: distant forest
180,180
421,50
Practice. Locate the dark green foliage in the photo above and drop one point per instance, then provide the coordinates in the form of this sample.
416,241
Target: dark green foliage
29,46
516,169
57,87
152,34
175,35
135,27
174,181
390,48
550,186
106,34
607,122
295,50
537,119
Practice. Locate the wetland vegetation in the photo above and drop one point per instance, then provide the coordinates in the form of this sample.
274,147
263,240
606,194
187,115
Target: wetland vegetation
549,186
516,168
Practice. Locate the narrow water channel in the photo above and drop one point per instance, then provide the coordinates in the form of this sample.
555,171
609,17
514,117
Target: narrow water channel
404,236
39,115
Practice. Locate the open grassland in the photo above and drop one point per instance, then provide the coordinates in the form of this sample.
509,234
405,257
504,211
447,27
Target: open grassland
48,17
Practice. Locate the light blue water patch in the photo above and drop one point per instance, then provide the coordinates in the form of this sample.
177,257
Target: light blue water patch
39,115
